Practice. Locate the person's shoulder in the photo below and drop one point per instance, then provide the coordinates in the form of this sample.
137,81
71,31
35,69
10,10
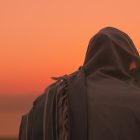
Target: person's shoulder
59,82
45,98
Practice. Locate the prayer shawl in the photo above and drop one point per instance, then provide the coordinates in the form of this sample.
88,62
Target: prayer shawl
99,101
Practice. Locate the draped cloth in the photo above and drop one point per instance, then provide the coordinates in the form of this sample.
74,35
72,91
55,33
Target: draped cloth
99,101
104,96
112,67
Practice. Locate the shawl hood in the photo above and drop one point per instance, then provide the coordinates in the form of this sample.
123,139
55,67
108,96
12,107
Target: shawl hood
112,52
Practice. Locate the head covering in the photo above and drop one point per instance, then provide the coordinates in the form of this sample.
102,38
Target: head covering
112,83
112,51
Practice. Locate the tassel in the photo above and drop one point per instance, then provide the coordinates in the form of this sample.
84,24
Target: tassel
63,77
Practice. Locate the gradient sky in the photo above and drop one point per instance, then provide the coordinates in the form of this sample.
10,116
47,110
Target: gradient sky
40,39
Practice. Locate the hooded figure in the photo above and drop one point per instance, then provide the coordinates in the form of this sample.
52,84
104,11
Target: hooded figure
100,101
104,97
112,68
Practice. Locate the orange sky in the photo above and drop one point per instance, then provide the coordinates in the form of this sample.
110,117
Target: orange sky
38,38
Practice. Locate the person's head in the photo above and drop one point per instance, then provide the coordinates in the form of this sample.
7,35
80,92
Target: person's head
111,50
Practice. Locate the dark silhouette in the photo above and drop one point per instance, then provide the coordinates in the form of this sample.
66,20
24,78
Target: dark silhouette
99,101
